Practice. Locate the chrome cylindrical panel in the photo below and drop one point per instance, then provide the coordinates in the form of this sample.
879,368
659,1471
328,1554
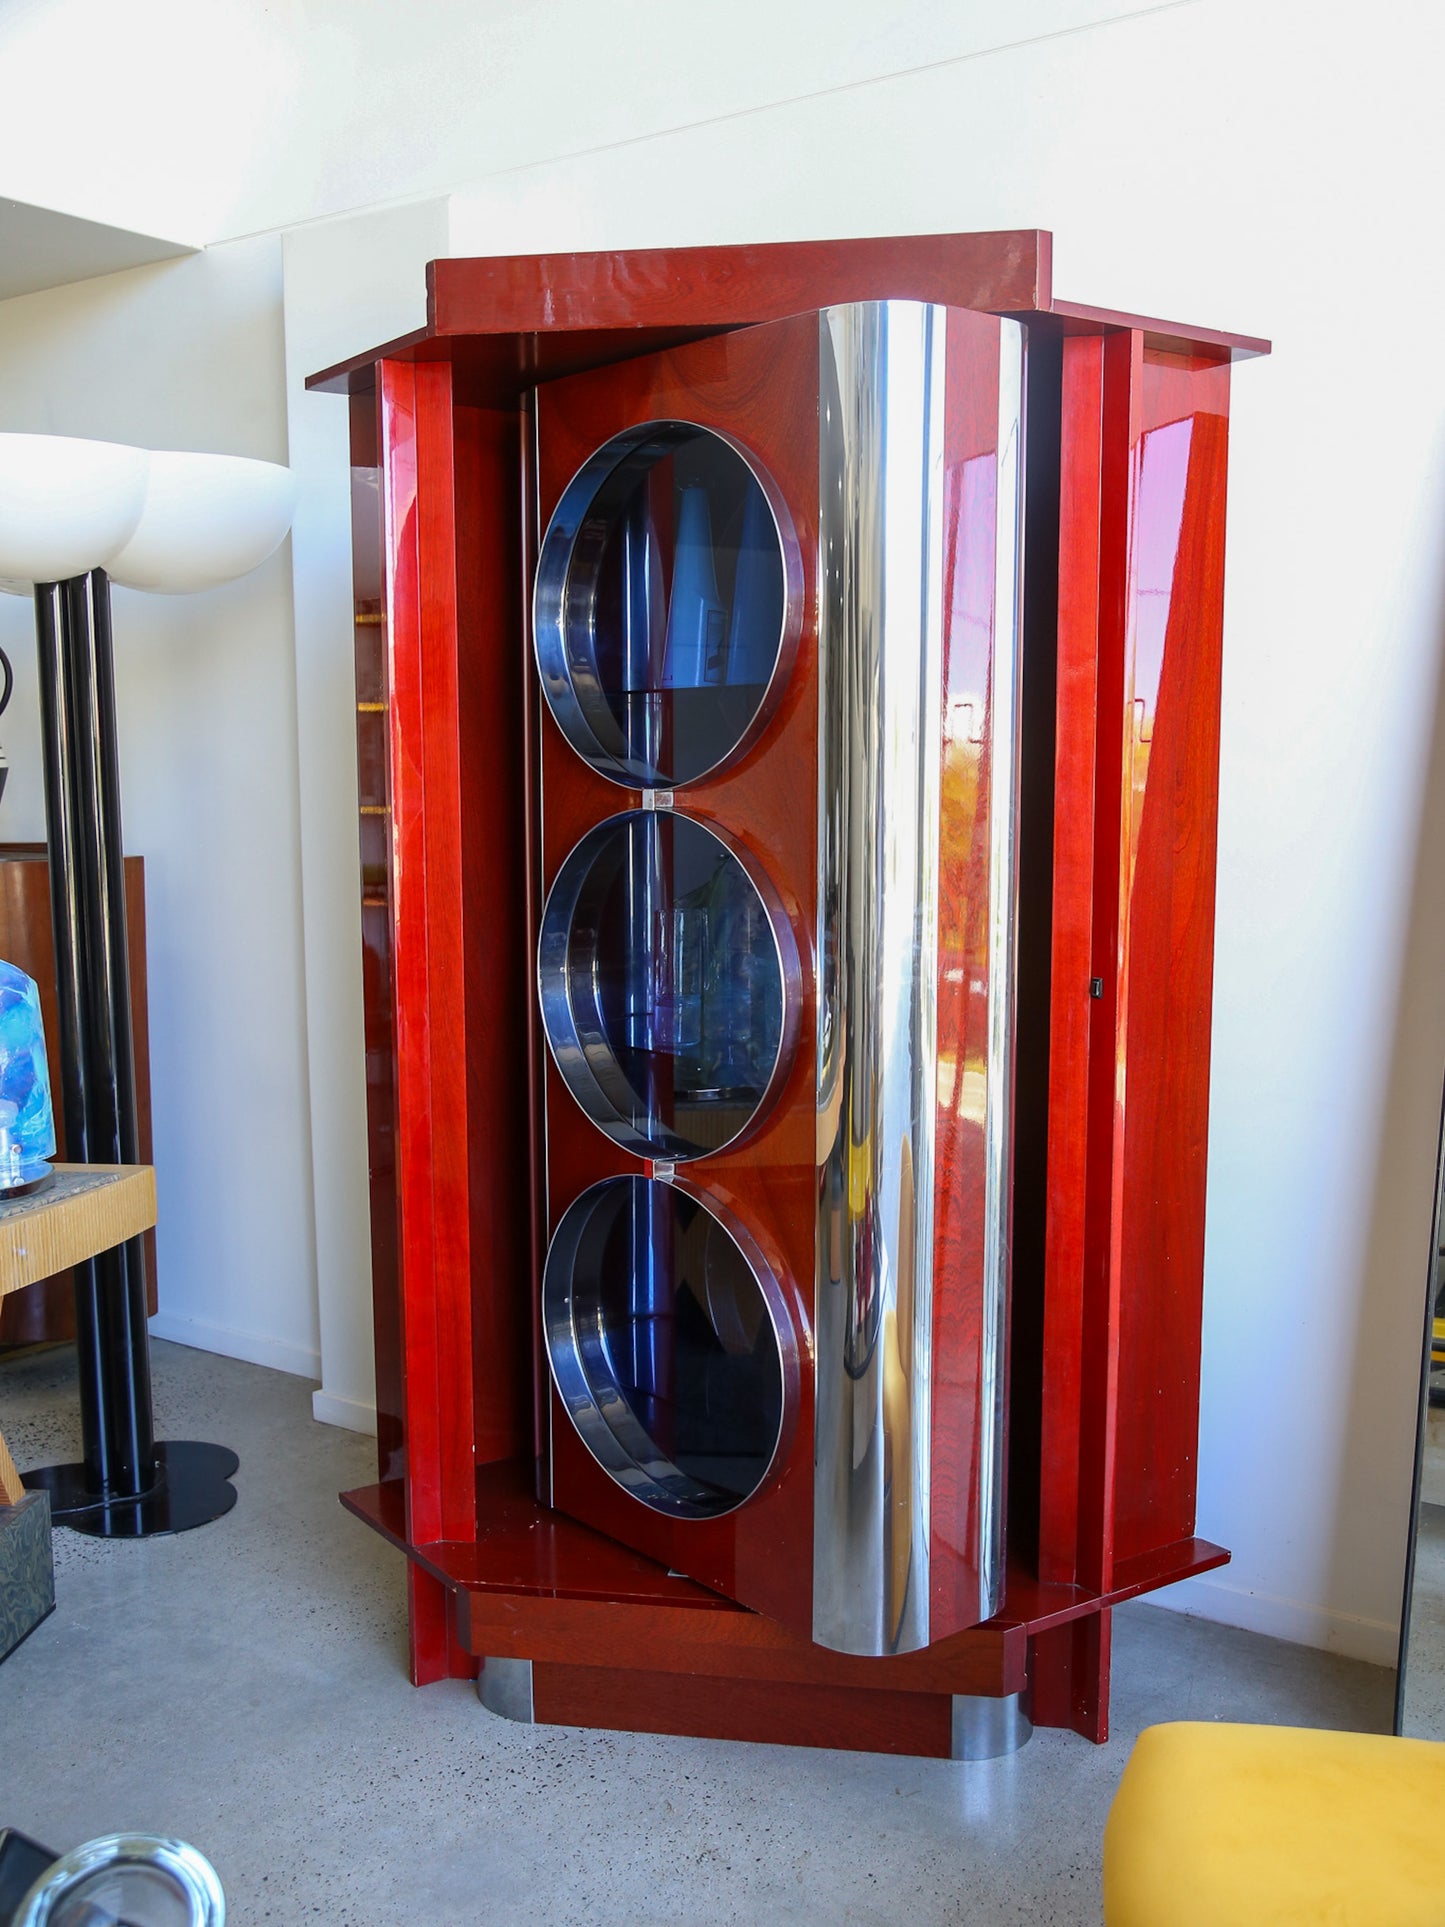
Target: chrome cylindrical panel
882,621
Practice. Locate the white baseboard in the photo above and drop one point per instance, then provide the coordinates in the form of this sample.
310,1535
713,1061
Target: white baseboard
351,1414
253,1347
1375,1641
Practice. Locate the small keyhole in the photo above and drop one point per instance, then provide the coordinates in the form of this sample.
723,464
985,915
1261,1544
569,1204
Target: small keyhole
1096,986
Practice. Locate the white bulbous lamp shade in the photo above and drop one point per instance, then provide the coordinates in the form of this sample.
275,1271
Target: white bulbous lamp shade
66,506
205,520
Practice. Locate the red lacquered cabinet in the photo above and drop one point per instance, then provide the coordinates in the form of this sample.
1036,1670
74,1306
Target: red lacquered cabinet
788,704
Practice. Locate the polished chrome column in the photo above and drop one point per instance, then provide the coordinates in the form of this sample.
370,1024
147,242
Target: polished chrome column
881,625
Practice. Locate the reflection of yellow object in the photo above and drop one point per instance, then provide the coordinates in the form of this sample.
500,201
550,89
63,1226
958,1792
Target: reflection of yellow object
896,1353
860,1177
1437,1342
1274,1825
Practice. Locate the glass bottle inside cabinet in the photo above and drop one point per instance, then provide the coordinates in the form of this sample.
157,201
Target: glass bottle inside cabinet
667,975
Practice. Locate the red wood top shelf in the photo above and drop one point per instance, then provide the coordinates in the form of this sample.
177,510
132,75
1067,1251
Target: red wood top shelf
504,321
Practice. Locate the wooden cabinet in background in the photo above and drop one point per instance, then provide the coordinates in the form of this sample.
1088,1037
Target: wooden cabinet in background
44,1313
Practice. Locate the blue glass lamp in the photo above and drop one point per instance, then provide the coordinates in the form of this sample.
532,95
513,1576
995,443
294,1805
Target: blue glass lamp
27,1121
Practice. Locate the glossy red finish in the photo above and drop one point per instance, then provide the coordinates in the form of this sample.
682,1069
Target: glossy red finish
419,608
427,949
1069,1675
1073,949
761,387
452,747
506,321
492,674
772,1712
1140,625
1168,830
536,1584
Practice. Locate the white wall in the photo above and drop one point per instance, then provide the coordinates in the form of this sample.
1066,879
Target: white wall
188,354
1244,165
349,283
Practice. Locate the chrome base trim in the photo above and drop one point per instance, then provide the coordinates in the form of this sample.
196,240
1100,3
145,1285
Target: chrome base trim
504,1686
988,1728
890,601
880,629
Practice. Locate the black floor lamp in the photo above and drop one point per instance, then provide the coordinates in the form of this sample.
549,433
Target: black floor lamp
170,523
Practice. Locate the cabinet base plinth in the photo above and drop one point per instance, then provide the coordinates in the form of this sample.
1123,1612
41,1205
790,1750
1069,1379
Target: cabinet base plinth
547,1606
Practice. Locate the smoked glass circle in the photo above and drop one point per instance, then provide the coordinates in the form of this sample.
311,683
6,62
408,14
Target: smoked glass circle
663,984
663,1346
662,608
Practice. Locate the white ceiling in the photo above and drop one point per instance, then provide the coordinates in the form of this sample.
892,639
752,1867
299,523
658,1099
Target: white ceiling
239,117
41,248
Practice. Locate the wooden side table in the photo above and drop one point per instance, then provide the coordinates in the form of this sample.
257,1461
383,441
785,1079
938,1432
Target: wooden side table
88,1209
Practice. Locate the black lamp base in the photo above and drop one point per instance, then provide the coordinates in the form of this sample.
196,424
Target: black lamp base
191,1488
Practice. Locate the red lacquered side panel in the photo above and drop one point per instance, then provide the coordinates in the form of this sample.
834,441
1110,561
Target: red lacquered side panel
1140,606
493,824
1100,415
1166,951
1069,1675
964,1413
735,286
437,1649
1072,947
427,951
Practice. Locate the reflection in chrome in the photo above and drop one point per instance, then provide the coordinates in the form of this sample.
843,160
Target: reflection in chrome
669,1344
125,1877
1005,678
881,616
667,605
668,978
504,1686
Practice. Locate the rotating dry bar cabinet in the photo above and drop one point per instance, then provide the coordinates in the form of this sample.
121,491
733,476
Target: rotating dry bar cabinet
787,709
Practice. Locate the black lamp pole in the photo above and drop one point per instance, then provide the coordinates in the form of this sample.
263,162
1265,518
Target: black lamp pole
127,1486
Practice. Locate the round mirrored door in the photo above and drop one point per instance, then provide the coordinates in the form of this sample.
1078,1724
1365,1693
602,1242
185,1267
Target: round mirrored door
668,980
667,605
669,1345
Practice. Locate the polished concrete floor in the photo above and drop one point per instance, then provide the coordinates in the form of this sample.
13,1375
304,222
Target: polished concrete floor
1424,1707
243,1687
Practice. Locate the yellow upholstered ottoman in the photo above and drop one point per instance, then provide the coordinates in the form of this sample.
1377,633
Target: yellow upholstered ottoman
1260,1826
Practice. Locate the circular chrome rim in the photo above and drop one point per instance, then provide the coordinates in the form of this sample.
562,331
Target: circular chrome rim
563,672
595,1402
195,1877
586,1061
